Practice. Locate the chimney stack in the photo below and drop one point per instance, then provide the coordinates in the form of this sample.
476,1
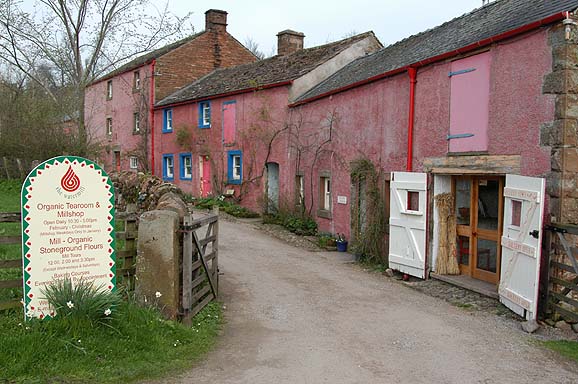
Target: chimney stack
289,41
216,20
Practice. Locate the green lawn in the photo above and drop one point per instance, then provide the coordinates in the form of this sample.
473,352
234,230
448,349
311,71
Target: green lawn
138,344
10,202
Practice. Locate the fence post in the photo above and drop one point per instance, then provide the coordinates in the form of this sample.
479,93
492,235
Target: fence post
187,269
215,269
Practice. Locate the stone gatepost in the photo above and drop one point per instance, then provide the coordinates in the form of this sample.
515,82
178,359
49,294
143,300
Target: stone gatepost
561,135
158,261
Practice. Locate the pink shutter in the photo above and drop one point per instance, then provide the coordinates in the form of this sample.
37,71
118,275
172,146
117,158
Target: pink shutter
469,104
229,122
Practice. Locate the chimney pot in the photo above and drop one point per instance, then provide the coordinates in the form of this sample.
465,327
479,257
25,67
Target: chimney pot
289,41
216,20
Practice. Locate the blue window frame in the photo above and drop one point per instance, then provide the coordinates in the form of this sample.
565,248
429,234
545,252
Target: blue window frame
205,114
186,166
167,120
235,167
168,167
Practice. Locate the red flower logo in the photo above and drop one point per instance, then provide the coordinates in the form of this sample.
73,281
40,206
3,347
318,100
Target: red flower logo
70,181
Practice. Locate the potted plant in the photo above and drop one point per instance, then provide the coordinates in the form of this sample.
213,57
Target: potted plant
341,243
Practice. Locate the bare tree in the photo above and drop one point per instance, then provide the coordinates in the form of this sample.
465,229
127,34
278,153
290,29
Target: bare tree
253,46
81,40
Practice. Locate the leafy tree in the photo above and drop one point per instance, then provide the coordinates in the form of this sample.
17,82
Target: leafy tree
70,43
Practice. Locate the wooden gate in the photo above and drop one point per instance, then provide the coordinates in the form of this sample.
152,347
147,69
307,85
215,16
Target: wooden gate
563,272
200,264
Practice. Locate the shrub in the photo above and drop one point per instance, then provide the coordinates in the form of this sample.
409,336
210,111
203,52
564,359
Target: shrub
298,223
226,206
81,303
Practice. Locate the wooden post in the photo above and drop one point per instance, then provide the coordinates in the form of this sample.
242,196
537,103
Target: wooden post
20,169
6,168
187,270
215,268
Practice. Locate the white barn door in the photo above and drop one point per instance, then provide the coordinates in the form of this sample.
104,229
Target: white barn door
521,244
407,223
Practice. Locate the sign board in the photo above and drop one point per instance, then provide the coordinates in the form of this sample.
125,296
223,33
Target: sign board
341,199
67,229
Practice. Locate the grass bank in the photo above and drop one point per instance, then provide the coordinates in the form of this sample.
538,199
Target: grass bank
138,344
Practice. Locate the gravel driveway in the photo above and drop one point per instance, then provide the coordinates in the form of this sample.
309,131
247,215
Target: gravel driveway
295,316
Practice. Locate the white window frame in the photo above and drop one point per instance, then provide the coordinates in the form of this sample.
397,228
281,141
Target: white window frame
109,126
133,162
136,122
109,89
188,168
169,117
206,114
136,80
327,193
236,167
170,167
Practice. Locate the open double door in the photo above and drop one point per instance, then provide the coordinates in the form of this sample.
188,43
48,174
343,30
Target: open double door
500,235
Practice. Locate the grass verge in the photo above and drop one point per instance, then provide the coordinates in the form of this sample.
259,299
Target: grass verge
565,348
138,344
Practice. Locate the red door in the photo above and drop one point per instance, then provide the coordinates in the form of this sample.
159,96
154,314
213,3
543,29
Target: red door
205,171
117,160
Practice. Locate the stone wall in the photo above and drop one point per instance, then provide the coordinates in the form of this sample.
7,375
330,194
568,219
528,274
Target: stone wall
561,135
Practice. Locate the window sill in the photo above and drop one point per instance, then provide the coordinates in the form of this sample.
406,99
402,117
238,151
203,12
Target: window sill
324,213
204,126
136,132
186,178
234,182
167,131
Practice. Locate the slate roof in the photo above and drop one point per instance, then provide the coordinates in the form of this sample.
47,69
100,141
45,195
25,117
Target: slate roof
147,57
482,23
267,72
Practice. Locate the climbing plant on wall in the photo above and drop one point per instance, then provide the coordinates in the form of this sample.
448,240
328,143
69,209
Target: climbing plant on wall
368,219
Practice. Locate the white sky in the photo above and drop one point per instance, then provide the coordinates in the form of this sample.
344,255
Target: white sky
323,21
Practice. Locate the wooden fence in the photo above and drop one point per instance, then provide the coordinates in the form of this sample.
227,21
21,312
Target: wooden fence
11,168
200,264
126,236
562,295
10,266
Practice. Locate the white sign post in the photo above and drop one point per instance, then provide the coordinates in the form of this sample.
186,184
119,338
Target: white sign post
67,229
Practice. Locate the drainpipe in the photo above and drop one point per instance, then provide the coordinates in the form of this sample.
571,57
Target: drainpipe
152,113
412,81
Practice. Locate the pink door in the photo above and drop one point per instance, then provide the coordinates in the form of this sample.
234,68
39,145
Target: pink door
229,122
205,171
469,104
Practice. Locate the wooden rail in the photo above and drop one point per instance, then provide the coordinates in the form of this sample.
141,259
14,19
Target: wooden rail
562,297
200,268
14,264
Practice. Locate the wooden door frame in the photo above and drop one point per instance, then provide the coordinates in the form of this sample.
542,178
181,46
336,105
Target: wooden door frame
473,233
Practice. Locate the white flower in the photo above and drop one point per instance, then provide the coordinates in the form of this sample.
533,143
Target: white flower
158,294
107,312
79,341
175,344
22,302
70,304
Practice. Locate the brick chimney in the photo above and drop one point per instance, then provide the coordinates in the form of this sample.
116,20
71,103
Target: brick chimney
289,41
215,20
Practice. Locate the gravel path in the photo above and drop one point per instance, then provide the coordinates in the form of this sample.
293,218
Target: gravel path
295,316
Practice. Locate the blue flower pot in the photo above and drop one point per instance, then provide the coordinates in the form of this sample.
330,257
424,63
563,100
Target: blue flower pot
341,246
